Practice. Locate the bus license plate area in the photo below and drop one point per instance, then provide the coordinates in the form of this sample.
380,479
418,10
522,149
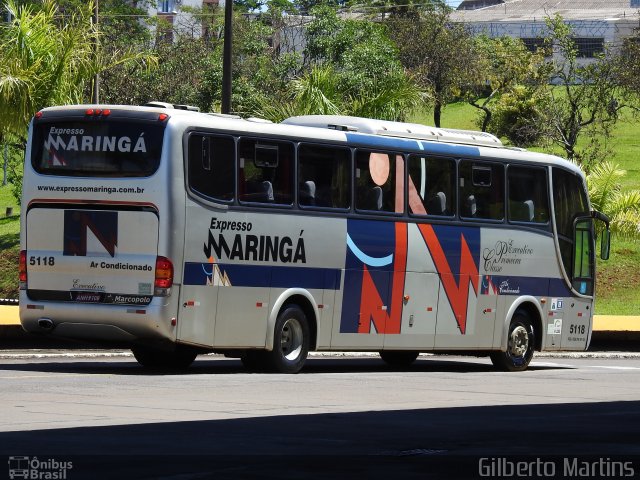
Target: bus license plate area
87,297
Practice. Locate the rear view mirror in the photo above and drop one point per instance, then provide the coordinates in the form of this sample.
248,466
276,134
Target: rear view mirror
605,244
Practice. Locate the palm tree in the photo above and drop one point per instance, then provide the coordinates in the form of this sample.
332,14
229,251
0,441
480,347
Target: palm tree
321,91
623,208
48,60
42,62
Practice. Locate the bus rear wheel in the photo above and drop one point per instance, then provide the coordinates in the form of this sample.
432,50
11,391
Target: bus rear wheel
290,342
520,345
399,358
153,358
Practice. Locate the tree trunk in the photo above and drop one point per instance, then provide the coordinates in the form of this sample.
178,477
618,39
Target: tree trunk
437,113
487,118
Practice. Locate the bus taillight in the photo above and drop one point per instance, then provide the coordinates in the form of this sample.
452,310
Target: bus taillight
23,270
164,276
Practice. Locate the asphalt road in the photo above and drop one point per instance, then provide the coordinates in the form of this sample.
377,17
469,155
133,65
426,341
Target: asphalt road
338,418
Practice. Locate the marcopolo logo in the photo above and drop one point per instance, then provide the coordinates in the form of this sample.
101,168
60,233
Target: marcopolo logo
38,469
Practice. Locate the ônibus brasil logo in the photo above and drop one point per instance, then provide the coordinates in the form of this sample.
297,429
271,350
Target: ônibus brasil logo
38,469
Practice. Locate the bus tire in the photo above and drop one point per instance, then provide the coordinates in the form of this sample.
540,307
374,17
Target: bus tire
520,345
399,358
290,342
178,359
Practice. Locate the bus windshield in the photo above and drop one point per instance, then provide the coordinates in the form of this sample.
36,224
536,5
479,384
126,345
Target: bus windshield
104,148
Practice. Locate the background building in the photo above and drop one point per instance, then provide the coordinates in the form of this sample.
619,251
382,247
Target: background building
597,24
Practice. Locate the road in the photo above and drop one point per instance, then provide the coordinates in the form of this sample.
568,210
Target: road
338,414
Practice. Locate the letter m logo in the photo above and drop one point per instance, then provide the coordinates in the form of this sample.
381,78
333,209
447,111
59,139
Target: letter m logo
88,232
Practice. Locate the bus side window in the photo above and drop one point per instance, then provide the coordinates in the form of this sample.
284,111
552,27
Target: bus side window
379,181
265,171
481,187
324,176
211,167
432,186
528,194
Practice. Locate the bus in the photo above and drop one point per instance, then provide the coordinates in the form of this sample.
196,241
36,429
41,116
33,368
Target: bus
176,232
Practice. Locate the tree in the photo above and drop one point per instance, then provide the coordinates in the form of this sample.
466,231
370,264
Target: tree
190,67
42,63
438,53
589,97
321,92
353,69
407,9
628,67
504,67
46,60
305,7
518,114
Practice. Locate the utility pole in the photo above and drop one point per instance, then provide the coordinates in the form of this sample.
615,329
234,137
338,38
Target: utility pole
95,90
226,58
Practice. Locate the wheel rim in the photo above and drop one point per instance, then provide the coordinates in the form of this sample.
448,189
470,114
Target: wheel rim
519,343
291,339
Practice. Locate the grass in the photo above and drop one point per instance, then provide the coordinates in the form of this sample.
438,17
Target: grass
626,143
617,279
9,244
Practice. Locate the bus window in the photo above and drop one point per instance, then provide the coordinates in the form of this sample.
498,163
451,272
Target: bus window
211,166
583,271
569,200
324,176
528,195
265,171
379,181
105,148
481,190
432,186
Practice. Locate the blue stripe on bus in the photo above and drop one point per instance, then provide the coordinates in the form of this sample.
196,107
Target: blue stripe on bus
394,143
330,278
265,276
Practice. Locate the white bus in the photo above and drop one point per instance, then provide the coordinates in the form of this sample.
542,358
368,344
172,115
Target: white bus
178,232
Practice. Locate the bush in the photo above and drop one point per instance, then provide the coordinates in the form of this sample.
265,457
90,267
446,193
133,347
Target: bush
519,116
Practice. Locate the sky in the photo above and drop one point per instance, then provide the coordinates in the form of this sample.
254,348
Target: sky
453,3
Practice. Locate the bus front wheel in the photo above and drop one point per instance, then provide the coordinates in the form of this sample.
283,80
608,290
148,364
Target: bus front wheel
290,341
520,345
180,358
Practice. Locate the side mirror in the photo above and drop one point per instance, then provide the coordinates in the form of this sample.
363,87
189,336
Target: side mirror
605,244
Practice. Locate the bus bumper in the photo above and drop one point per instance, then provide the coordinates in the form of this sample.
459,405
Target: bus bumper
102,323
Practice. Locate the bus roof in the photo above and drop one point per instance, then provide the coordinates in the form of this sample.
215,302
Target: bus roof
395,129
348,129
